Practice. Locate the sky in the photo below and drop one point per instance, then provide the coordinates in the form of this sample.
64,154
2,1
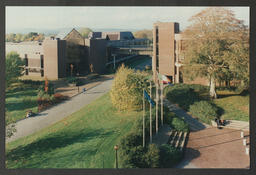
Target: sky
104,17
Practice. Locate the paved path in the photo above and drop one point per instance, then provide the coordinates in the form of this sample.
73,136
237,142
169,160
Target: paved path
52,115
163,135
194,124
209,147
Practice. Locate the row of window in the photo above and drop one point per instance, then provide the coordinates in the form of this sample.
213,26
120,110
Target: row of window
41,61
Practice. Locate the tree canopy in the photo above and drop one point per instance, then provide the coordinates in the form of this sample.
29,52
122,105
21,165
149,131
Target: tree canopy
144,34
31,36
216,43
14,67
84,31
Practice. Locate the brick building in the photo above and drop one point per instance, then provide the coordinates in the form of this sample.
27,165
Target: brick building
168,53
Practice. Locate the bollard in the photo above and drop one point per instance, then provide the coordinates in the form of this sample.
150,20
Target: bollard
247,150
242,134
244,142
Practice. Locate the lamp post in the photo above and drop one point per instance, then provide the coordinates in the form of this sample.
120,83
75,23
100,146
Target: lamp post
143,143
150,113
114,56
116,148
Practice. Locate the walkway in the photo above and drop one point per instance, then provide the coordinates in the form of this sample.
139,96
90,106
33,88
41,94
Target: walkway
52,115
209,147
163,135
194,124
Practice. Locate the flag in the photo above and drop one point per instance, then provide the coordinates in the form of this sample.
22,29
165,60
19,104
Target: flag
148,98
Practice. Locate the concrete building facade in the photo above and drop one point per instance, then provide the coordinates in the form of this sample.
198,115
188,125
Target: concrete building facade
168,53
54,57
164,57
42,59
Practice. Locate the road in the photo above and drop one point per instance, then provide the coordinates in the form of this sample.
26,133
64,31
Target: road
56,113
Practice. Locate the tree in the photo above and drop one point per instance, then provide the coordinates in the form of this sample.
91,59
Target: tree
144,34
210,45
14,67
126,92
84,31
239,58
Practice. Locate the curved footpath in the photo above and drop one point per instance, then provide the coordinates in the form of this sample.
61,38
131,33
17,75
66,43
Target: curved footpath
50,116
54,114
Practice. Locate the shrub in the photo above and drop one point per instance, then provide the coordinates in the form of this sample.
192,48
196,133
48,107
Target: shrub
127,90
169,156
179,124
133,159
74,80
152,156
181,94
204,110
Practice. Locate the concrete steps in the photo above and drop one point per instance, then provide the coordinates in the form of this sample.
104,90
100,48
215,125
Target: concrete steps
178,139
235,124
239,125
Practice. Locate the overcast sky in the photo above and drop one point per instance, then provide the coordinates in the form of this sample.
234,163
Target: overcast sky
104,17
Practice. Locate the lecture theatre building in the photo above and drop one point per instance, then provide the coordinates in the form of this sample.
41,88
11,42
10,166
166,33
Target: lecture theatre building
53,57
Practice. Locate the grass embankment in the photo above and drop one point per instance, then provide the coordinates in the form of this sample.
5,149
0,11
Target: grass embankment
85,139
137,61
231,104
19,99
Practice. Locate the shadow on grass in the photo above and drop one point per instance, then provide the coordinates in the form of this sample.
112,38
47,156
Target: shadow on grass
23,93
56,141
17,106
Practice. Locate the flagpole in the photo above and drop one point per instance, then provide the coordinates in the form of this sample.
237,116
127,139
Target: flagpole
157,99
162,104
143,118
150,114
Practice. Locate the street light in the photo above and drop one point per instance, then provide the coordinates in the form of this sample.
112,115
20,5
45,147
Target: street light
116,148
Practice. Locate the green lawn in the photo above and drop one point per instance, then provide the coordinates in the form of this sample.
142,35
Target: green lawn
235,106
231,104
19,100
85,139
136,61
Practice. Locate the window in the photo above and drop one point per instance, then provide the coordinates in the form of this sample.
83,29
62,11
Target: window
42,61
156,34
42,73
157,62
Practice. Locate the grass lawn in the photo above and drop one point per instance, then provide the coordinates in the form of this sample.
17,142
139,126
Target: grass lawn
232,105
136,61
19,100
235,106
85,139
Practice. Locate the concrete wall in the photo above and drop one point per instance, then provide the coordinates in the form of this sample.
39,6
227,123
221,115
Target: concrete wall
62,58
166,48
54,58
23,48
98,55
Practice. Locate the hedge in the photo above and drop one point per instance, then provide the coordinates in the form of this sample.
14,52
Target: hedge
204,110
